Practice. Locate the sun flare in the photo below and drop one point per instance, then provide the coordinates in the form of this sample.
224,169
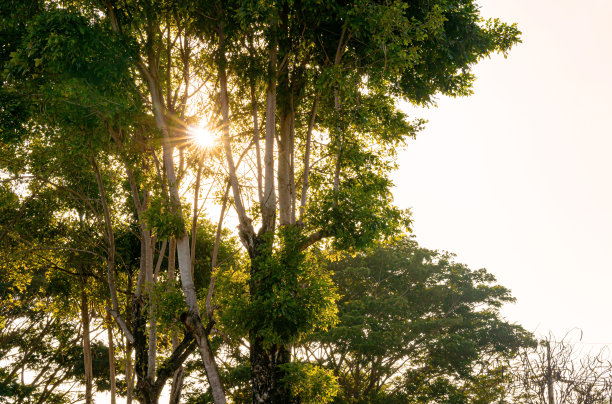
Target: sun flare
202,137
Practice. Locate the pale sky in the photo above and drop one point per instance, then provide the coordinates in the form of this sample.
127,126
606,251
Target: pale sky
516,178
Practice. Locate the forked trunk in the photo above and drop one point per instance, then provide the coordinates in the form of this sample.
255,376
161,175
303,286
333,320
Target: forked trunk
139,324
148,395
179,374
177,386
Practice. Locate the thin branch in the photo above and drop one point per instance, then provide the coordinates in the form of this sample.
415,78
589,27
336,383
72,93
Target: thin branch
306,174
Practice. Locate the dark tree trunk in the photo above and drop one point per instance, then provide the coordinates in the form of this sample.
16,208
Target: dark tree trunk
129,373
139,324
111,360
266,374
266,361
147,394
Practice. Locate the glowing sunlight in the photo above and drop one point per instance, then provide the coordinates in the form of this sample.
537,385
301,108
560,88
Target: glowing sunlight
202,137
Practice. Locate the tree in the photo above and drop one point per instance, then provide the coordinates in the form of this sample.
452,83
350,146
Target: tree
109,83
330,74
415,326
47,298
67,60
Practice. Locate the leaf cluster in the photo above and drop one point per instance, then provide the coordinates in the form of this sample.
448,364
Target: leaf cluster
413,323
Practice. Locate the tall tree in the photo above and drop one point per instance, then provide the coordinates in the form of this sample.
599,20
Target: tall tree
303,95
325,78
88,111
416,326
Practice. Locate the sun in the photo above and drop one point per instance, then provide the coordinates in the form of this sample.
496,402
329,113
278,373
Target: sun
202,137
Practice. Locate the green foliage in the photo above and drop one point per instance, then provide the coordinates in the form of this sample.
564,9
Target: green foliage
364,197
228,256
168,298
293,294
76,88
78,63
162,221
232,293
295,297
414,326
51,349
310,383
14,109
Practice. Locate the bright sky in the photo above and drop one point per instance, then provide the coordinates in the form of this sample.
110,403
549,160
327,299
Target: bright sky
516,178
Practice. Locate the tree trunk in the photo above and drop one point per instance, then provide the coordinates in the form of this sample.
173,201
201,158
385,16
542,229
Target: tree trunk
266,374
192,320
177,386
129,373
266,361
111,360
305,175
152,340
139,324
148,395
129,369
285,112
285,196
179,374
145,386
268,209
86,346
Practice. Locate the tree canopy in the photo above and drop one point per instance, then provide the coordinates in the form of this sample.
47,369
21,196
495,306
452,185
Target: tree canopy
102,177
416,326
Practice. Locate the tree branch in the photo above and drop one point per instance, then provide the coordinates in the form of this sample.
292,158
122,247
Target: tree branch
313,113
170,365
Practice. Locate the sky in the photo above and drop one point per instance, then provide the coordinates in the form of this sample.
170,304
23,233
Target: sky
517,177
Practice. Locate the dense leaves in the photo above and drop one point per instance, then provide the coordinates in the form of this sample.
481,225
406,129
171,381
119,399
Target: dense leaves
100,168
415,326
